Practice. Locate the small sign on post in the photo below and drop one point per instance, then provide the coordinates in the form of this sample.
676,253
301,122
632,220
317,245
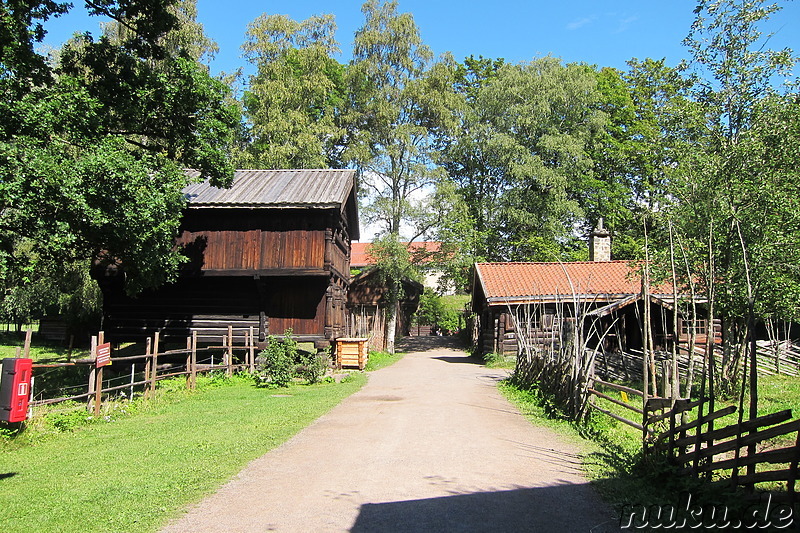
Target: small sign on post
103,355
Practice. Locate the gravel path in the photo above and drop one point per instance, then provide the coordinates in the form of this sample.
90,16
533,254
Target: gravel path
427,445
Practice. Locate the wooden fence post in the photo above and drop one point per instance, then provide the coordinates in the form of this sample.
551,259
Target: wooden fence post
27,349
98,382
154,367
252,351
224,353
147,365
194,359
229,370
92,376
246,349
188,362
133,379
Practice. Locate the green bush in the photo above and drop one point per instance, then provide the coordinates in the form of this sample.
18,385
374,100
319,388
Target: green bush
312,367
282,361
277,366
443,312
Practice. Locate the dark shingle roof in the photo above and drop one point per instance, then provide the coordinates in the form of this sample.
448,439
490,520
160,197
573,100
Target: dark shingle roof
275,188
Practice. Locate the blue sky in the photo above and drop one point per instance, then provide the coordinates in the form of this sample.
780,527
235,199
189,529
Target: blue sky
600,32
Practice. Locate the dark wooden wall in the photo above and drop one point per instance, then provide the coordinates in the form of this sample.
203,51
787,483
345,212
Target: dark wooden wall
272,269
256,249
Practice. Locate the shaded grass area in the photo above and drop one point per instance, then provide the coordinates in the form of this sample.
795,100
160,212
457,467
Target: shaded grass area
41,350
613,456
134,472
776,393
378,360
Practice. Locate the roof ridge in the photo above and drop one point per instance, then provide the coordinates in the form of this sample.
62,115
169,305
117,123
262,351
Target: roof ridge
615,261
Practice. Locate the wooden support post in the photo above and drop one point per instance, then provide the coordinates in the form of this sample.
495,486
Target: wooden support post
147,364
71,345
229,370
194,359
133,379
92,376
188,362
252,351
98,391
98,382
27,349
154,367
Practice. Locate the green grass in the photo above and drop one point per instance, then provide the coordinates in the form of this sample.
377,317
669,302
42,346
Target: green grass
40,350
613,460
496,360
134,472
378,360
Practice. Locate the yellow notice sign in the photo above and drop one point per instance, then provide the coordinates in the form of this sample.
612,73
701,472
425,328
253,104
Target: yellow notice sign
624,396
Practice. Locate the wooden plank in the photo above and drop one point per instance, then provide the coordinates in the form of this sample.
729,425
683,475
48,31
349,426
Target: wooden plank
749,425
620,418
746,440
266,272
615,401
698,422
657,404
782,455
681,406
618,387
761,477
734,429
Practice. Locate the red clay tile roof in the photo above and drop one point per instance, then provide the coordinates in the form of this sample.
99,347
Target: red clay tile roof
520,281
359,251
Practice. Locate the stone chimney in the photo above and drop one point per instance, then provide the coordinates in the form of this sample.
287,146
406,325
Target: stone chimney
600,243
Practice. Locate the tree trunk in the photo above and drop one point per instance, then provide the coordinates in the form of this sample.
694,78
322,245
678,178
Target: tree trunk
391,326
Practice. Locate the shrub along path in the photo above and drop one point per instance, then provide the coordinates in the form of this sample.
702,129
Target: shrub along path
428,444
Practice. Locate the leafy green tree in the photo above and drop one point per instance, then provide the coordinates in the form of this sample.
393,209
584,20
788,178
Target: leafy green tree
524,164
93,146
398,102
393,265
294,101
736,189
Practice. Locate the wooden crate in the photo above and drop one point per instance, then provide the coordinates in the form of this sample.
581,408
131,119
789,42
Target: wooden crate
351,352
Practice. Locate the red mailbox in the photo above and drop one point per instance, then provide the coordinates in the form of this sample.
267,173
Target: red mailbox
15,389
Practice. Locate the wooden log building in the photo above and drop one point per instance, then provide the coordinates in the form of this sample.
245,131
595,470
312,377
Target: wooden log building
272,252
366,306
542,302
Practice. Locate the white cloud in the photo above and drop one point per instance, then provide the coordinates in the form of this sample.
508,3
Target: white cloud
576,24
625,23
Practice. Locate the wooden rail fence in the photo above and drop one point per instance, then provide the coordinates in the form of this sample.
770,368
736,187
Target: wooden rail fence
233,358
741,453
699,448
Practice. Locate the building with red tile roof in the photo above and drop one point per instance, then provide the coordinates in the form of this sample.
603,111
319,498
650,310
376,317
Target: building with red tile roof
523,282
360,256
421,255
542,297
